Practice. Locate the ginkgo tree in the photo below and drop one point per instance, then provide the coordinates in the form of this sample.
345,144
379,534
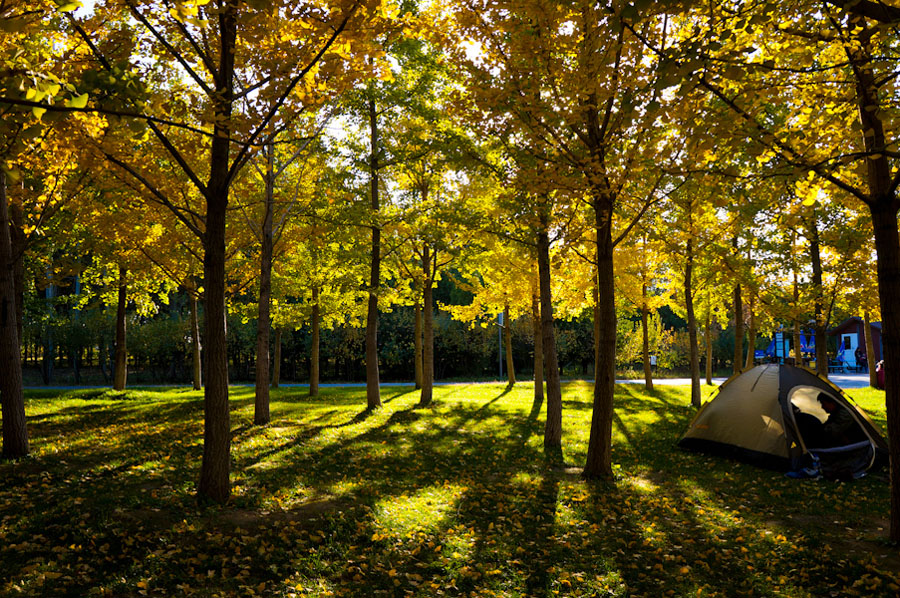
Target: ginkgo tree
268,200
436,215
223,52
501,277
639,276
586,98
814,84
33,188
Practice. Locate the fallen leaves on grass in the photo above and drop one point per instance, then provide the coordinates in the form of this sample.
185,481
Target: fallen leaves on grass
456,501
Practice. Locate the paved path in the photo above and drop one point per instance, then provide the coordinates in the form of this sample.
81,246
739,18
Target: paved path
842,380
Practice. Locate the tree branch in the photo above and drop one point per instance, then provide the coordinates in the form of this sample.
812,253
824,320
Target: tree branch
160,196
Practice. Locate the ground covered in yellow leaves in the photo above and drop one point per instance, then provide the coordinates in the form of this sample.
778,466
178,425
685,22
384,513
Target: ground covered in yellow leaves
456,500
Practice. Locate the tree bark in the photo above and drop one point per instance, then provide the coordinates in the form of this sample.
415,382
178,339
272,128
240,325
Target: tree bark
373,391
887,247
798,355
553,425
314,355
75,349
215,468
883,205
599,454
12,394
751,335
276,360
417,344
261,415
738,330
17,244
595,293
821,321
796,329
510,367
870,351
121,360
708,338
538,350
645,339
428,325
48,346
195,341
692,322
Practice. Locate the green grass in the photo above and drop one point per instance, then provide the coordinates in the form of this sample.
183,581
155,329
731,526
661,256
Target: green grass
456,500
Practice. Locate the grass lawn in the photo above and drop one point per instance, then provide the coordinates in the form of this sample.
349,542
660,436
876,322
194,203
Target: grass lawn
456,500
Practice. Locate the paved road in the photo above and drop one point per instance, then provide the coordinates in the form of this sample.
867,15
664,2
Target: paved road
842,380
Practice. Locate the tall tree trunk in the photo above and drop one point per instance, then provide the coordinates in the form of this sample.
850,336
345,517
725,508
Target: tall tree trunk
48,349
887,247
538,349
645,340
261,414
692,322
751,334
373,390
428,345
12,394
75,348
821,324
870,351
708,338
276,360
738,329
510,367
883,205
121,369
17,244
553,425
595,292
195,340
314,356
599,454
796,328
215,467
417,344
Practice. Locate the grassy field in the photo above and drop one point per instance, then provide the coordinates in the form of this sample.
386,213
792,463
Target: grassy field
456,500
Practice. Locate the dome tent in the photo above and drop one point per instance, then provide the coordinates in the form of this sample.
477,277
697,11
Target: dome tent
758,416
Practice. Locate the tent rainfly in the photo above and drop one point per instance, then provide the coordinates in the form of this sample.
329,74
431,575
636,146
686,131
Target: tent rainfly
771,416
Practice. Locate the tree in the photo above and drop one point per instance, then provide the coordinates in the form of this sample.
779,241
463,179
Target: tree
27,48
267,223
15,435
587,102
638,273
437,216
830,62
204,97
500,277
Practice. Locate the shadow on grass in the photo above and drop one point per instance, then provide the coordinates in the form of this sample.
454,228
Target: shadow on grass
399,499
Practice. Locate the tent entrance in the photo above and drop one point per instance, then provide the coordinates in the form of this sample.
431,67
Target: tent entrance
845,456
810,420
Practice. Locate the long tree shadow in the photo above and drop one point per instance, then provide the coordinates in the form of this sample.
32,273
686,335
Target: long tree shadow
459,497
